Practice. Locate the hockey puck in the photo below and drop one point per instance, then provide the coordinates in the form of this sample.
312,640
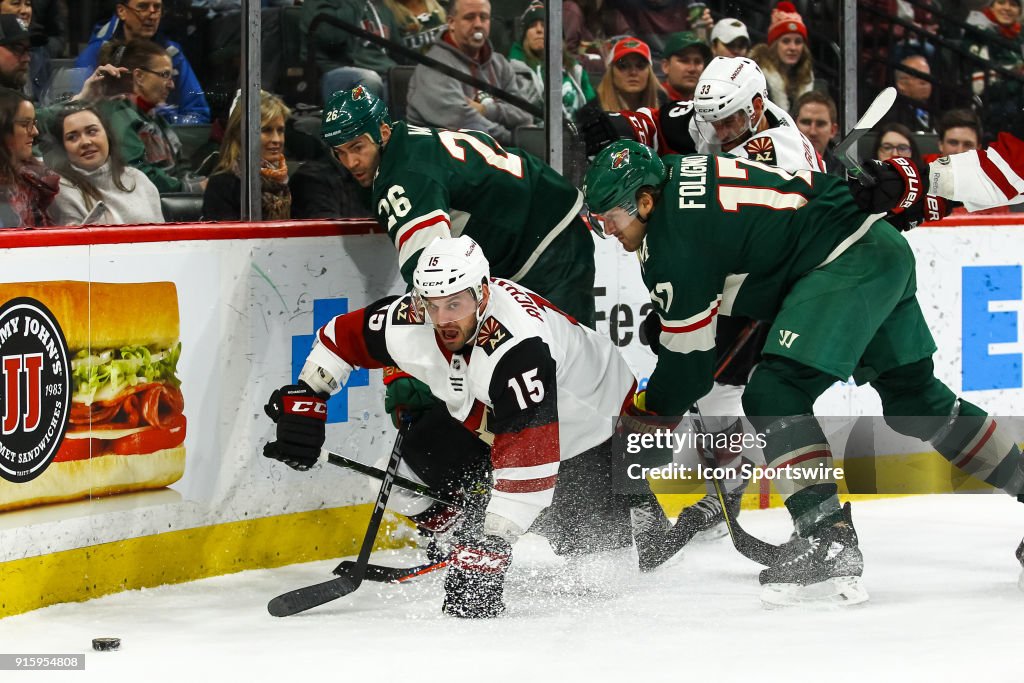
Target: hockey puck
106,644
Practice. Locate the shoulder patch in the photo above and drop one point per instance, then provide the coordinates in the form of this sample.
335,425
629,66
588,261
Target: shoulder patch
492,335
762,149
406,313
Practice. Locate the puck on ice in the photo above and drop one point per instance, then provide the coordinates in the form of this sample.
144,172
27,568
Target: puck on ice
104,644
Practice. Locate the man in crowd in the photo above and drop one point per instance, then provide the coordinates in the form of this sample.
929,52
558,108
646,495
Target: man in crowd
840,288
345,60
959,131
685,58
438,100
489,349
914,92
729,38
15,52
817,118
141,19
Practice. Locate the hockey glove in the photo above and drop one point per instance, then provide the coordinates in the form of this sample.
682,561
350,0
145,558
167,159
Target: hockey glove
600,128
891,186
475,583
652,331
301,417
405,395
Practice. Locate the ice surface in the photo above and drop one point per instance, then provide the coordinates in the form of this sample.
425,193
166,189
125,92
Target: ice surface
940,569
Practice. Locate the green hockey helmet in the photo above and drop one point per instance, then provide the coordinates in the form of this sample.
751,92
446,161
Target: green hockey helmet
617,172
350,113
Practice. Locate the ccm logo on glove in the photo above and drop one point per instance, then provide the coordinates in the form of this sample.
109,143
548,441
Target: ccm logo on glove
300,406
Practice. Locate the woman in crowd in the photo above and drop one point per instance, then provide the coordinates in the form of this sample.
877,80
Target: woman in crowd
27,187
896,140
785,59
421,22
92,170
222,200
146,139
527,59
997,37
630,83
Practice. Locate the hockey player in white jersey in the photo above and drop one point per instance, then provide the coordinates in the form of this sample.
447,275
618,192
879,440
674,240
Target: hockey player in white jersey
505,361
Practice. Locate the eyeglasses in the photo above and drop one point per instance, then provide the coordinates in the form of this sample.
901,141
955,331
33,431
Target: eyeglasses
890,148
165,75
28,124
145,7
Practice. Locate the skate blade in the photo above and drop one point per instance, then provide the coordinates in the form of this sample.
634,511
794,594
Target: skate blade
840,591
714,533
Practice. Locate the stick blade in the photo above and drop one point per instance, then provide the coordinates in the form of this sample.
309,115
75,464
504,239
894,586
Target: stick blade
302,599
878,109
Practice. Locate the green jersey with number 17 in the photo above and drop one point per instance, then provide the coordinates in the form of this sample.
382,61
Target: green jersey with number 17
730,236
436,183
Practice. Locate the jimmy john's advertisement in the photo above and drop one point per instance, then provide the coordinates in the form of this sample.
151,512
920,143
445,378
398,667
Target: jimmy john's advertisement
92,404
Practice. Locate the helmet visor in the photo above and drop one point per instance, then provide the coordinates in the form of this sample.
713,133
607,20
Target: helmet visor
615,219
445,310
726,130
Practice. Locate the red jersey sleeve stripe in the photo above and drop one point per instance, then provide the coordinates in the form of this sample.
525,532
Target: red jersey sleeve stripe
995,175
525,485
343,336
681,329
527,448
408,232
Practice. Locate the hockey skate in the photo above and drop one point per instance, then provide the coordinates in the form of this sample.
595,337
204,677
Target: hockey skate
824,568
661,543
714,525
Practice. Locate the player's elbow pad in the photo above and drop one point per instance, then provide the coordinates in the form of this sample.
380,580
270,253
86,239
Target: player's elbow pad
324,372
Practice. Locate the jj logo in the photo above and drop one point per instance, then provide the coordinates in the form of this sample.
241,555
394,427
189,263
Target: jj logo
35,386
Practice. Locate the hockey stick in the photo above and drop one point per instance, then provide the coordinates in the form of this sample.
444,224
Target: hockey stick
382,574
845,150
399,481
302,599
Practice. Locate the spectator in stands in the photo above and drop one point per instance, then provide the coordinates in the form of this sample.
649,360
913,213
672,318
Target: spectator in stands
222,200
437,100
140,19
630,83
959,131
655,20
15,52
998,38
685,58
818,119
785,58
588,23
527,59
729,38
147,141
344,60
92,170
896,140
420,22
39,70
912,104
51,20
27,187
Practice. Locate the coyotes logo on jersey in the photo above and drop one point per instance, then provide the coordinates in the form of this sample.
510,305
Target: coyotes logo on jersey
492,335
407,313
762,149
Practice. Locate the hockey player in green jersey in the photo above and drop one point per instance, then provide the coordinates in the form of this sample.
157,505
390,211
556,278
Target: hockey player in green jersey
428,183
721,235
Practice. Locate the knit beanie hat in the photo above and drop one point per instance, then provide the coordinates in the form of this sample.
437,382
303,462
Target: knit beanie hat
785,19
533,14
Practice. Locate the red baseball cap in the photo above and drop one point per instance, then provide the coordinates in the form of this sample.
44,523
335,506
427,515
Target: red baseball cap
630,46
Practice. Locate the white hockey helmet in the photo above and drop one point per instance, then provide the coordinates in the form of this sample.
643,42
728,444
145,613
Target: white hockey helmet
450,265
729,85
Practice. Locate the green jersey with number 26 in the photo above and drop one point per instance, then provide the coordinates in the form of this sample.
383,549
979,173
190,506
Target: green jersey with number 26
731,236
435,183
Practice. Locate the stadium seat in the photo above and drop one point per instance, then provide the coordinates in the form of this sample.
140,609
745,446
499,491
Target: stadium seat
182,207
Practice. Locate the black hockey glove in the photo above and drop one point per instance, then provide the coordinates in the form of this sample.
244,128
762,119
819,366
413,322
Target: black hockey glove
475,583
652,331
301,417
600,128
891,186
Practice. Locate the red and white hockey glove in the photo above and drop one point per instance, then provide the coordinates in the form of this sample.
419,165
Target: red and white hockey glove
301,417
898,187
